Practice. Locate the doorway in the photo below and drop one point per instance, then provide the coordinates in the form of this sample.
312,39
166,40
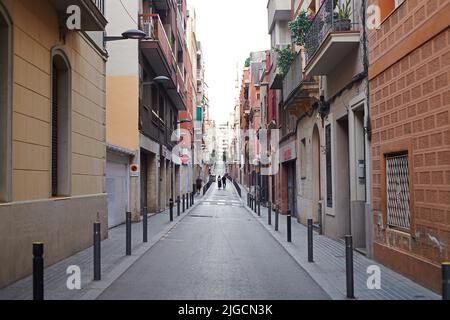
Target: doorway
316,176
292,203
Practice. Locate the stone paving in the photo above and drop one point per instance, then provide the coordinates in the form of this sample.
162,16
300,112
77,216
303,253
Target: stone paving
114,262
328,269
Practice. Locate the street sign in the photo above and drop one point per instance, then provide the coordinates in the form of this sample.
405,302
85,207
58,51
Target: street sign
134,170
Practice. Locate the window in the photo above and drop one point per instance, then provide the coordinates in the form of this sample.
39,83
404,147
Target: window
397,187
388,6
329,166
61,129
303,159
5,105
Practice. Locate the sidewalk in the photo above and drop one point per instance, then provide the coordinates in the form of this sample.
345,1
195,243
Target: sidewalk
328,269
114,262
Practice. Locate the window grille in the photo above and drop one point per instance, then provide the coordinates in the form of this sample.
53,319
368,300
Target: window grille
397,178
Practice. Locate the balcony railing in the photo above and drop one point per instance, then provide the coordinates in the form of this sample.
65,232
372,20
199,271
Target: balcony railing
100,4
152,26
275,75
293,78
326,21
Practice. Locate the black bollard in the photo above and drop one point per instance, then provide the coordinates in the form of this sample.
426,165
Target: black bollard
184,206
193,197
289,231
310,241
97,252
349,266
277,217
178,206
255,208
188,201
269,214
259,207
446,281
38,271
128,234
144,225
171,209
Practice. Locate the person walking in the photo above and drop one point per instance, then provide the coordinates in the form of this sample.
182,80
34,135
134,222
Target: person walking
224,182
219,182
199,183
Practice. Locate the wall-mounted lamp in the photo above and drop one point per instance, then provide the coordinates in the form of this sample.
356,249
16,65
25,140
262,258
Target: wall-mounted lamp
132,34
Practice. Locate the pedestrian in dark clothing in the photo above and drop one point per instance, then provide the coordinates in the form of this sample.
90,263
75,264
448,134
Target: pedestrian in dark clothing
219,182
199,183
224,181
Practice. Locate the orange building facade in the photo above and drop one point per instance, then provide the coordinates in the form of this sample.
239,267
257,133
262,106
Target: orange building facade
410,108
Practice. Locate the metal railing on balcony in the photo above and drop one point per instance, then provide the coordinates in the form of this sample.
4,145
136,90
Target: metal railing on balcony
151,24
100,4
328,20
293,78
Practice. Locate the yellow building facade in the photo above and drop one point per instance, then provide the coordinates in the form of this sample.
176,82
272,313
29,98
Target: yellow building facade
53,151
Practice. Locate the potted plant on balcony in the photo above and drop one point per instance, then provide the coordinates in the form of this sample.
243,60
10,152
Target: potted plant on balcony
300,26
343,23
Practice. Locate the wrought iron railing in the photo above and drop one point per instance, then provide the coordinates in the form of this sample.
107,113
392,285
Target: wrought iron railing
326,21
100,4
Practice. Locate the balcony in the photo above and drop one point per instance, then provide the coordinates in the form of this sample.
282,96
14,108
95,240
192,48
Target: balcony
158,52
330,39
92,13
299,92
275,77
278,10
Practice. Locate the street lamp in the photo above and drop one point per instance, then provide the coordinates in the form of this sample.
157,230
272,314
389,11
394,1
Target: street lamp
132,34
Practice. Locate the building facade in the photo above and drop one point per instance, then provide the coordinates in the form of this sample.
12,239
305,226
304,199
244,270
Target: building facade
52,131
148,83
409,78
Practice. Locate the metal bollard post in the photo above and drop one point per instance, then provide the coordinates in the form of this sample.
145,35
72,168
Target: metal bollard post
144,225
289,231
184,204
255,208
446,281
128,234
259,207
97,251
178,206
171,209
248,200
269,214
188,201
277,217
193,197
310,241
319,216
38,271
349,266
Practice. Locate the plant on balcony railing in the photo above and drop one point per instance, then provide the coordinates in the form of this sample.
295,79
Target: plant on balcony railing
344,13
300,26
284,59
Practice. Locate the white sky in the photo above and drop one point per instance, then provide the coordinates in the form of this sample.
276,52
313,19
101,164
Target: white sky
228,30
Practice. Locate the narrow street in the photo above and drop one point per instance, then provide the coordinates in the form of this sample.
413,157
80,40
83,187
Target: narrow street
219,251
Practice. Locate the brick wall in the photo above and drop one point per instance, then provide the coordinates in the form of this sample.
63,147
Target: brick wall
410,109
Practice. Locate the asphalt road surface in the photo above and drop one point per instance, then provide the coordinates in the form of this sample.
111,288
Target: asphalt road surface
219,251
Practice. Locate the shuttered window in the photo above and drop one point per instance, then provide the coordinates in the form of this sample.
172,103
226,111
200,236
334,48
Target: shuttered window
55,133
